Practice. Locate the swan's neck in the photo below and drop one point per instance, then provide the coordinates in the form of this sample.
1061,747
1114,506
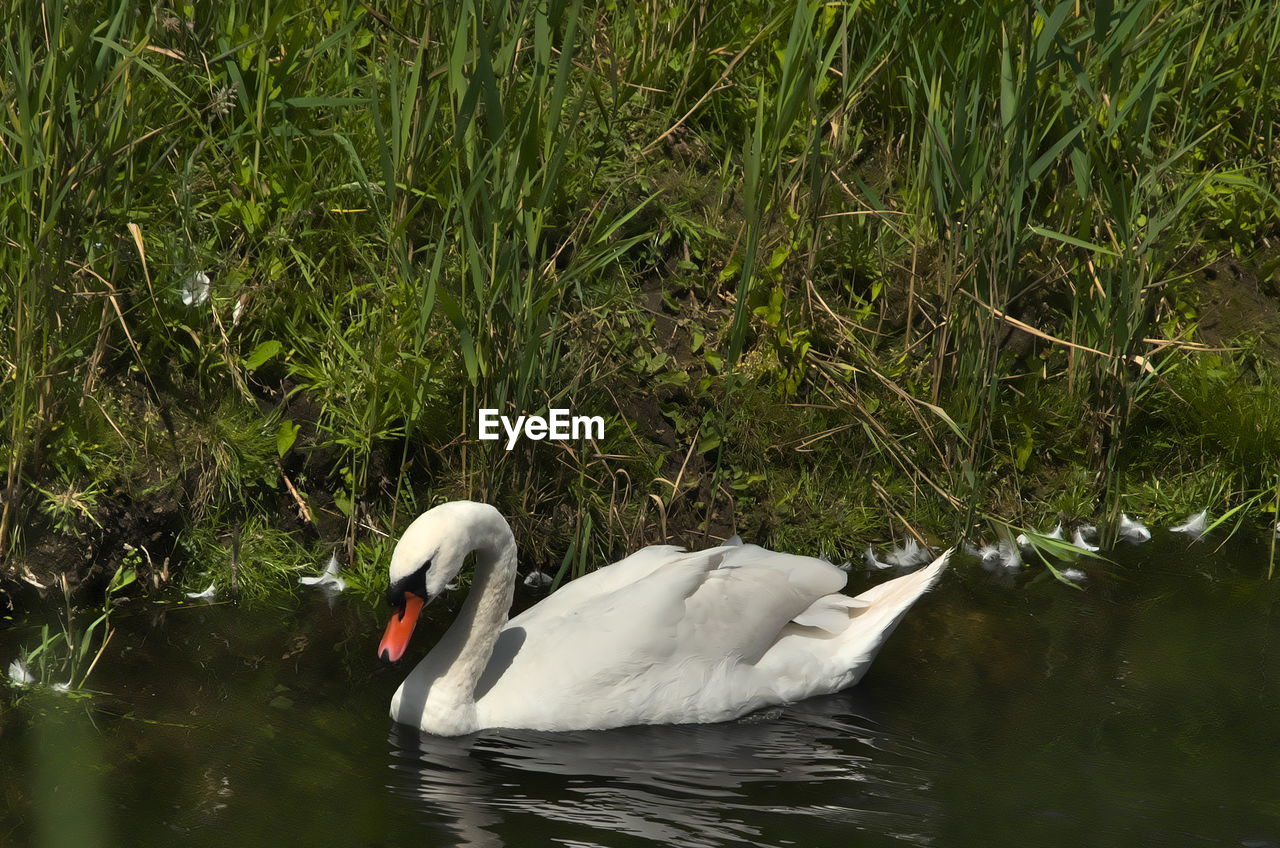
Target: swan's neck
468,644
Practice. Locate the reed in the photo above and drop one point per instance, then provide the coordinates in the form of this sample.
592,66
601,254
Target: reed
932,263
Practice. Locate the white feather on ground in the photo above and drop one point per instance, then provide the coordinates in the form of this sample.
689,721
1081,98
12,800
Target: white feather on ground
195,289
207,595
1134,532
328,579
1194,526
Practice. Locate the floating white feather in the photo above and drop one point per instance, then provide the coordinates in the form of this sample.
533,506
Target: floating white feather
873,563
1077,538
1194,526
1134,532
1024,541
19,674
329,579
538,580
207,595
910,554
1001,556
1075,575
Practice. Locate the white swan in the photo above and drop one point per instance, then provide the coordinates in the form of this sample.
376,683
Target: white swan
662,637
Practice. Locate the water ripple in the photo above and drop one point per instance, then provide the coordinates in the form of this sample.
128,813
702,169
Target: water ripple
819,763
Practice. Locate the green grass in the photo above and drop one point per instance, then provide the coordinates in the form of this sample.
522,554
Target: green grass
830,271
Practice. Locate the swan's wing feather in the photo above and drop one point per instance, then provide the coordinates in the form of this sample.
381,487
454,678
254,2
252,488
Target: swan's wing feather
830,613
577,593
592,645
744,603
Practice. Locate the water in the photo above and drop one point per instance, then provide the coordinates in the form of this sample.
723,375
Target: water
1140,711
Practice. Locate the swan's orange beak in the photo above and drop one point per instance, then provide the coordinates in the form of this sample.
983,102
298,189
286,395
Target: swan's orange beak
400,628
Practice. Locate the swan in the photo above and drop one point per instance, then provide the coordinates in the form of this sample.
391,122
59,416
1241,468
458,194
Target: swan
664,636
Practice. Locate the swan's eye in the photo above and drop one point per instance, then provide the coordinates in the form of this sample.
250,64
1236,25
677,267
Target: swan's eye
415,583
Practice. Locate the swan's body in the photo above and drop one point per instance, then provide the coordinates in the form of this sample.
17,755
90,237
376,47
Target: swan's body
661,637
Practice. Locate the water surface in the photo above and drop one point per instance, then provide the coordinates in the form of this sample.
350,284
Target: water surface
1004,711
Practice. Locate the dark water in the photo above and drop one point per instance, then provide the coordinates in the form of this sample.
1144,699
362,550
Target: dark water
1141,711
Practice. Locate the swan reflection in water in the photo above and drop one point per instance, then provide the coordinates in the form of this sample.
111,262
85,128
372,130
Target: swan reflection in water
814,773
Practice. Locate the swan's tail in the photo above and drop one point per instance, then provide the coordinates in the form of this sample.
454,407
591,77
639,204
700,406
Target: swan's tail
894,597
830,645
878,611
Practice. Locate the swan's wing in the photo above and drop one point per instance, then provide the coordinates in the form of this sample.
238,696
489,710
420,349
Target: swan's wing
742,604
722,604
613,623
602,581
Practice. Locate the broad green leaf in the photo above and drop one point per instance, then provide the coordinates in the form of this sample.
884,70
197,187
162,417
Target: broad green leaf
286,436
262,353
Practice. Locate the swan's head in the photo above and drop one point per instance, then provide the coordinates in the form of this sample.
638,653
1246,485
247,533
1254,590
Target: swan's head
427,558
